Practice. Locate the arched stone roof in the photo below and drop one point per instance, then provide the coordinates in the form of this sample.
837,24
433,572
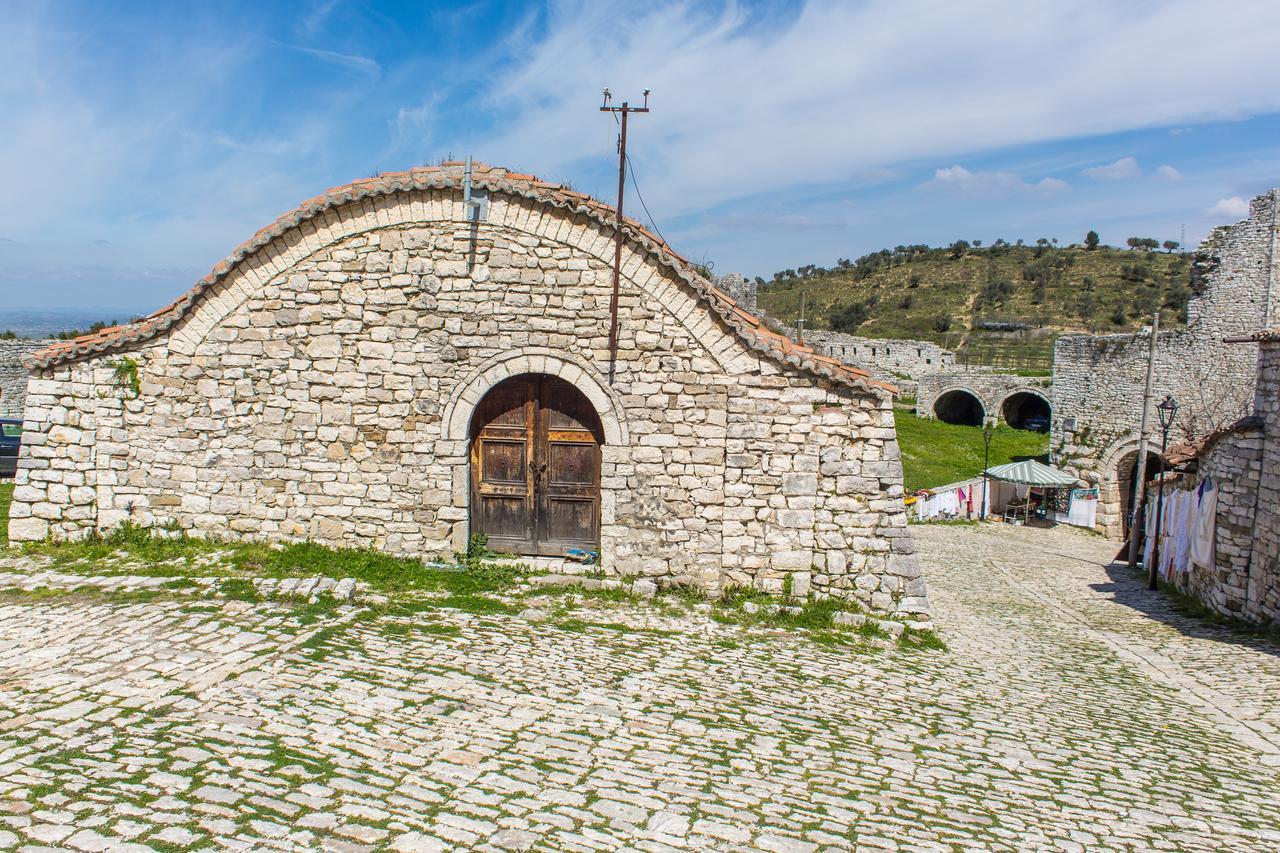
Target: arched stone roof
748,327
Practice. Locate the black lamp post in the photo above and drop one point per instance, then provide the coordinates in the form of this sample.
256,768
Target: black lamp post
986,463
1167,410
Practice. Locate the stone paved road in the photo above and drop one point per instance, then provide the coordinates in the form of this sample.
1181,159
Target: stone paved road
1073,711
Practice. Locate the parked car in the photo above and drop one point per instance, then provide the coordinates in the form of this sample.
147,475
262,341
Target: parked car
1039,423
10,441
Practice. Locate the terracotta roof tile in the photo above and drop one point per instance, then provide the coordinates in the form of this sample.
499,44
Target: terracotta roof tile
449,174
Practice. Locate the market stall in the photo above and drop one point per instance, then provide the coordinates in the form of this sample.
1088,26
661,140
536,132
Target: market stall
1042,491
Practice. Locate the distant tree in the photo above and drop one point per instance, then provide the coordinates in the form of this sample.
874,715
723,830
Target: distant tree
914,281
1088,283
1132,242
1087,306
907,301
1092,241
850,317
977,244
8,335
959,247
1118,316
1171,245
942,323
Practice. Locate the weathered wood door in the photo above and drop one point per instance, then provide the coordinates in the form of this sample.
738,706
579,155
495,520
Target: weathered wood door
535,467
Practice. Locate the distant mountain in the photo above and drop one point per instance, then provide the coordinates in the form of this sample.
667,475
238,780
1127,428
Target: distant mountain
31,323
965,295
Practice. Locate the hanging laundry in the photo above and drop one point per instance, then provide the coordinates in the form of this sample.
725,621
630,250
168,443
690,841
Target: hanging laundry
1206,525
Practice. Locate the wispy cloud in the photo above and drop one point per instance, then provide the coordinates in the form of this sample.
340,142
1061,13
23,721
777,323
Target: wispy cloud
1168,173
1125,167
350,61
989,184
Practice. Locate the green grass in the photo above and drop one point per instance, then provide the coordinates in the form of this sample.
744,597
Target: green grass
6,498
133,550
935,453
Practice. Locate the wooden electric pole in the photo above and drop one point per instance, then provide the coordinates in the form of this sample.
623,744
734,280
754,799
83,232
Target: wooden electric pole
626,109
1140,474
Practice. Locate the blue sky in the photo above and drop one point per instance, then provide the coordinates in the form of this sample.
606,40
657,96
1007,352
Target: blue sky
144,141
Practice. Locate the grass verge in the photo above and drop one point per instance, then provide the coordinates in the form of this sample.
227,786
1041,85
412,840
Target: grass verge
935,453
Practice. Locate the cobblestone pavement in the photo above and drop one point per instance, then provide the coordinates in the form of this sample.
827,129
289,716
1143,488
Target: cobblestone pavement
1072,711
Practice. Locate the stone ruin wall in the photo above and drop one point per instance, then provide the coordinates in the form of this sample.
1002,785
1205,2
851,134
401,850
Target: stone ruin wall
13,375
322,394
991,389
901,362
1098,380
1244,464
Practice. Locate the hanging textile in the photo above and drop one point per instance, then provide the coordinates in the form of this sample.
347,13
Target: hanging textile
1083,510
1206,524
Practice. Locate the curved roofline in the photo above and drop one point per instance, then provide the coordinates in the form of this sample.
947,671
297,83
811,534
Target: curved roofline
749,328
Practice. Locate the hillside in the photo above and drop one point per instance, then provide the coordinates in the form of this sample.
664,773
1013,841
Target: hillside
1001,295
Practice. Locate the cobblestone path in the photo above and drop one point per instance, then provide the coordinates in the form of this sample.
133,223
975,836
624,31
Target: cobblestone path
1072,711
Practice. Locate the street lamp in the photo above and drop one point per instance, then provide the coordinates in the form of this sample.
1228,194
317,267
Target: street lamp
1167,410
986,462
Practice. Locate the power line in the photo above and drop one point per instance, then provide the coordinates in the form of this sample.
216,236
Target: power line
636,186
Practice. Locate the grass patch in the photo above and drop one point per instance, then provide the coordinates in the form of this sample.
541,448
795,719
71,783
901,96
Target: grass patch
6,498
239,589
130,549
935,453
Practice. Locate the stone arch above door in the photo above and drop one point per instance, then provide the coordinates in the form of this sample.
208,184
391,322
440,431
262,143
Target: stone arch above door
456,416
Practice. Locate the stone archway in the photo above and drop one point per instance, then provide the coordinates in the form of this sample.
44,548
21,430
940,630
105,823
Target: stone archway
1126,481
959,406
1026,410
457,411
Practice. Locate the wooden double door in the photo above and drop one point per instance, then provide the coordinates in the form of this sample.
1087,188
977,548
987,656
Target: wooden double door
535,467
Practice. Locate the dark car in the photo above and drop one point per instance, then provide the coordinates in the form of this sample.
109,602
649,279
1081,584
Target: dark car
10,441
1039,423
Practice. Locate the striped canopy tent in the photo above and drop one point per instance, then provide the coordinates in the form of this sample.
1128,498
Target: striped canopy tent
1032,473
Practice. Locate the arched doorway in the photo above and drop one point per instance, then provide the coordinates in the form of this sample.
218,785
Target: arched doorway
959,407
1127,477
1026,410
535,467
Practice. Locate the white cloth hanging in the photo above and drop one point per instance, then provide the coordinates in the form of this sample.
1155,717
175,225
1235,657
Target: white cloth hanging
1206,525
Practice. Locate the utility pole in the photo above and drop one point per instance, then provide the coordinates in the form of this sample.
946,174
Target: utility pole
626,109
1140,476
800,322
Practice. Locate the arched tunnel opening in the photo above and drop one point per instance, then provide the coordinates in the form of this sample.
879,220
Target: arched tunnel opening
1025,410
959,407
1127,479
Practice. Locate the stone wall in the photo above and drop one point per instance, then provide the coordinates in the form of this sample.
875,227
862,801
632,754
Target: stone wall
1098,380
740,289
13,375
321,387
991,389
893,360
1244,464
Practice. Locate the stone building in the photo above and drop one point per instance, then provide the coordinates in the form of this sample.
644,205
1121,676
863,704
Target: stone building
972,395
1243,461
388,367
13,375
1098,380
899,362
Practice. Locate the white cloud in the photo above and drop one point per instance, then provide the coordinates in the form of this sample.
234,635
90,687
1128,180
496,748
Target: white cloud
1233,208
989,184
1168,173
1125,167
838,87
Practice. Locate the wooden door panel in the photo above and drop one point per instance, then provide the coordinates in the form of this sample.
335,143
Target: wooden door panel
571,464
504,462
569,522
